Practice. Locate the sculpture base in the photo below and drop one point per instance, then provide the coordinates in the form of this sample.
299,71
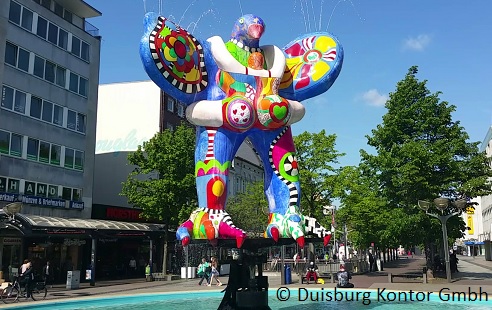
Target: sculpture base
247,287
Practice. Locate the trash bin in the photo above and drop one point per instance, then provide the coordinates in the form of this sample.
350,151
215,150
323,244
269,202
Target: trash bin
288,275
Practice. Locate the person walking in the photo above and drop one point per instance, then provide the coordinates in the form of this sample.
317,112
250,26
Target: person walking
214,272
27,278
204,270
48,274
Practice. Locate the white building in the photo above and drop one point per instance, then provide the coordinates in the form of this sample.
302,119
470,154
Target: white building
486,202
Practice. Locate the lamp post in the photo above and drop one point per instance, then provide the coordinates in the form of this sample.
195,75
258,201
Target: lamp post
442,204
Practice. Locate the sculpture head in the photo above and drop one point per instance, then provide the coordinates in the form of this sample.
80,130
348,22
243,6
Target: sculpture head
248,29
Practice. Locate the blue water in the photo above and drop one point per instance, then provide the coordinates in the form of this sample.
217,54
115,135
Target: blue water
312,299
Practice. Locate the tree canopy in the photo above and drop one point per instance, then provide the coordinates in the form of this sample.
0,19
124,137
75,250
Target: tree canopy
163,180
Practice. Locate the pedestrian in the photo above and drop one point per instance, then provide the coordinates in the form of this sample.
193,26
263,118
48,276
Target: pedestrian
371,262
214,274
27,278
48,274
133,266
312,273
204,270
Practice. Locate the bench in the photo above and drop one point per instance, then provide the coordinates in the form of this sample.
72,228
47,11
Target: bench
321,276
407,276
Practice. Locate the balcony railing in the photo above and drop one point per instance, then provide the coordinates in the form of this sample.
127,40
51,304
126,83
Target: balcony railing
91,29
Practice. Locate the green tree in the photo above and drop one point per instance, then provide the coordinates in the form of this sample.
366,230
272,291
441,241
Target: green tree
317,158
162,183
250,209
421,153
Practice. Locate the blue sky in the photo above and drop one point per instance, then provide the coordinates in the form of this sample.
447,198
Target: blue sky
450,42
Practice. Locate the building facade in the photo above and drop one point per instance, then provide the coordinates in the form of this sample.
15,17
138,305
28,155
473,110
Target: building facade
49,76
486,203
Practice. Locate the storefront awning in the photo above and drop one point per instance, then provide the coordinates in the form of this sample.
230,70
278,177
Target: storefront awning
37,224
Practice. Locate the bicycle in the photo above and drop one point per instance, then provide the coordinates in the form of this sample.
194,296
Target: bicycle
14,291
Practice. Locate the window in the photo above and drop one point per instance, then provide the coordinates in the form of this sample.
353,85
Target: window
26,19
71,120
80,122
58,115
85,51
180,110
67,193
47,111
38,67
74,82
41,190
11,54
46,4
15,12
55,154
4,142
63,39
75,46
53,33
170,104
58,10
44,152
32,149
52,191
60,76
23,63
67,16
16,145
36,105
42,30
76,194
79,160
7,97
49,72
69,157
29,188
83,87
20,102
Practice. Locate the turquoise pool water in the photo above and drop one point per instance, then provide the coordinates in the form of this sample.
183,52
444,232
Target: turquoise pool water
313,299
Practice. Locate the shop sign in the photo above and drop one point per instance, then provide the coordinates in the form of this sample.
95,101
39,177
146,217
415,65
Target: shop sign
45,202
108,240
77,205
77,242
8,197
12,241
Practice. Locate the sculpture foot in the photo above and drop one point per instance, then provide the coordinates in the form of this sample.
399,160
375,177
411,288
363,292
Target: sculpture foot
185,241
326,239
183,232
301,241
228,230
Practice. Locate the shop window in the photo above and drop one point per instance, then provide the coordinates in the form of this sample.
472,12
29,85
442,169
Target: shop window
13,186
67,193
29,188
52,191
41,190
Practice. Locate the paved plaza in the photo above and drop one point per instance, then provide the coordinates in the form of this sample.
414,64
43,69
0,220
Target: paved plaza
474,274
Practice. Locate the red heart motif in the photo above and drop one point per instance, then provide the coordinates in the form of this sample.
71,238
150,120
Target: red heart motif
236,120
245,120
242,114
243,107
234,111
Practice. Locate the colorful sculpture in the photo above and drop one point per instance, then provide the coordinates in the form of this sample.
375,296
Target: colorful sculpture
238,90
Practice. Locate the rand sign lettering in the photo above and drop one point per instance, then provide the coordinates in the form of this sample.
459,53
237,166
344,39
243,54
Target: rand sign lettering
42,201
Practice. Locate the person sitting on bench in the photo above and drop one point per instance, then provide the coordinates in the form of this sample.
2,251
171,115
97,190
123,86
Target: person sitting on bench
312,273
343,277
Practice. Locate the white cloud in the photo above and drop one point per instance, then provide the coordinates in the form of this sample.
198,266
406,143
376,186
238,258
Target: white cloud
418,43
374,98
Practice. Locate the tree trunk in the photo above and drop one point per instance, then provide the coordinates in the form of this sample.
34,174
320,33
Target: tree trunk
164,252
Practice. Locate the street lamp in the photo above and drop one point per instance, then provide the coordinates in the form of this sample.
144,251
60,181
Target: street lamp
442,204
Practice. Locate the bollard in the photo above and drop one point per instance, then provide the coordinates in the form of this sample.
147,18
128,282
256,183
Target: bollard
390,277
